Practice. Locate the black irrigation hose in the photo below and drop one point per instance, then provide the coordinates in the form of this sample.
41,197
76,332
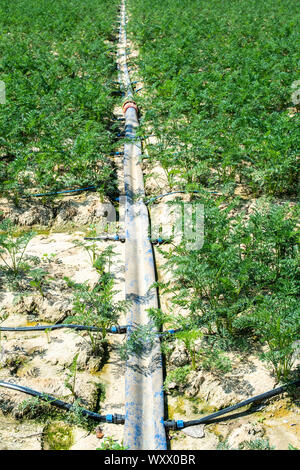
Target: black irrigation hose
179,424
152,199
120,419
116,418
89,188
113,329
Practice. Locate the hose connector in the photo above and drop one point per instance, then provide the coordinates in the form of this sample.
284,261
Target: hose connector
173,425
118,329
115,419
119,419
170,424
129,104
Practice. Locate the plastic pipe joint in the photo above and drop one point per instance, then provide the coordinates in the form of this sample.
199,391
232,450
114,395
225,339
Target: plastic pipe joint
129,104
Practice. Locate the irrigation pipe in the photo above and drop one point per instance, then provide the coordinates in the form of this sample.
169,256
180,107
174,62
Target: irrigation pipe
113,329
107,237
179,424
152,199
120,419
122,239
89,188
144,402
109,418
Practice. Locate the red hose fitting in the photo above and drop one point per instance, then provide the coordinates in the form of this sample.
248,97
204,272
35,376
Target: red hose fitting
129,104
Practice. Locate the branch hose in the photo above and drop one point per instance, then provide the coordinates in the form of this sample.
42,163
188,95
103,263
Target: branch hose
120,419
109,418
118,329
152,199
66,191
113,329
179,424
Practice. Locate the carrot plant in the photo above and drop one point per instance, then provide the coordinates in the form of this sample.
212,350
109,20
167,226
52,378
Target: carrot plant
70,381
96,305
38,281
277,322
13,246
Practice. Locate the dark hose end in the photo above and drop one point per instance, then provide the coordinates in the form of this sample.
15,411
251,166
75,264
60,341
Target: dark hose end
173,425
122,329
170,424
118,419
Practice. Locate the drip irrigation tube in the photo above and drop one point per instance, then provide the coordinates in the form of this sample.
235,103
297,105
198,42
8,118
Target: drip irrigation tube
121,238
120,419
152,199
107,237
89,188
114,329
109,418
179,424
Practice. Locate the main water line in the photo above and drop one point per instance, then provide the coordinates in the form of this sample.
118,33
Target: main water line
144,401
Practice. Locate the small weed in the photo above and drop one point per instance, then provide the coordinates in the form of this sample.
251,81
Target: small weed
109,443
178,376
70,381
95,306
13,247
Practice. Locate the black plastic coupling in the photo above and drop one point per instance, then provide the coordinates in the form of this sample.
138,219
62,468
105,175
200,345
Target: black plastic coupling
118,329
119,419
115,419
173,425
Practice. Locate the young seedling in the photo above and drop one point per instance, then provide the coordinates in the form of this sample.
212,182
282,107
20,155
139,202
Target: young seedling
13,246
189,338
109,443
70,381
2,319
47,333
38,279
95,306
48,258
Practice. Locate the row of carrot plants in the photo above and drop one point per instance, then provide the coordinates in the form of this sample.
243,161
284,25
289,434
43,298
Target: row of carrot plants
58,69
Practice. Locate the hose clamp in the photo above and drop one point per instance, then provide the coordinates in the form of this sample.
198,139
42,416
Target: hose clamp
129,104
